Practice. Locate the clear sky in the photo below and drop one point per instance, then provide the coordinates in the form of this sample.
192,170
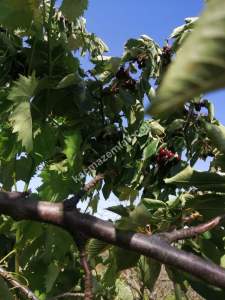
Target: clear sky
115,21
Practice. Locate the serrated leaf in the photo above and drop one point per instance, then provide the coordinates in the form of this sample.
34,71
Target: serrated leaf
18,13
206,181
153,203
72,146
95,247
150,150
21,94
216,133
197,69
56,186
22,124
72,9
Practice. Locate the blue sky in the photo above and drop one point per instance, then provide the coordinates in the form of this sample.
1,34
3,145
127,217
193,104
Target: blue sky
116,21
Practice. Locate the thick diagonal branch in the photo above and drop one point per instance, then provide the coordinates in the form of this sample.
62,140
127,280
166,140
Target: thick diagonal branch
153,246
16,284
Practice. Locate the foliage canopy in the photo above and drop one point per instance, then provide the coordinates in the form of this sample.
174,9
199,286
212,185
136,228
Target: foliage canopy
64,124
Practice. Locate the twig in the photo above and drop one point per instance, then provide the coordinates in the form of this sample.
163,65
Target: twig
93,182
88,292
13,282
185,233
65,295
71,203
80,239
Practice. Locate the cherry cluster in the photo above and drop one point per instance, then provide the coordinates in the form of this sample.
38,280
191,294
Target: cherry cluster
167,53
125,79
165,156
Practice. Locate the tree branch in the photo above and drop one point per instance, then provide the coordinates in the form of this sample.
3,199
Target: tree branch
185,233
13,282
88,293
71,203
155,246
66,295
80,239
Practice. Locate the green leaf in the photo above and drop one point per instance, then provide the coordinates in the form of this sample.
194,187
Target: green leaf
18,13
119,210
68,80
206,181
4,291
95,247
22,123
149,271
110,274
72,9
42,149
72,146
153,203
24,169
51,276
206,291
217,135
156,128
197,69
208,205
21,94
151,149
125,259
139,217
56,186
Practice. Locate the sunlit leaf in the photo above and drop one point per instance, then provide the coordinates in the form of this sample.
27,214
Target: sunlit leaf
21,94
72,146
95,247
199,66
150,150
206,181
217,135
18,13
73,9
